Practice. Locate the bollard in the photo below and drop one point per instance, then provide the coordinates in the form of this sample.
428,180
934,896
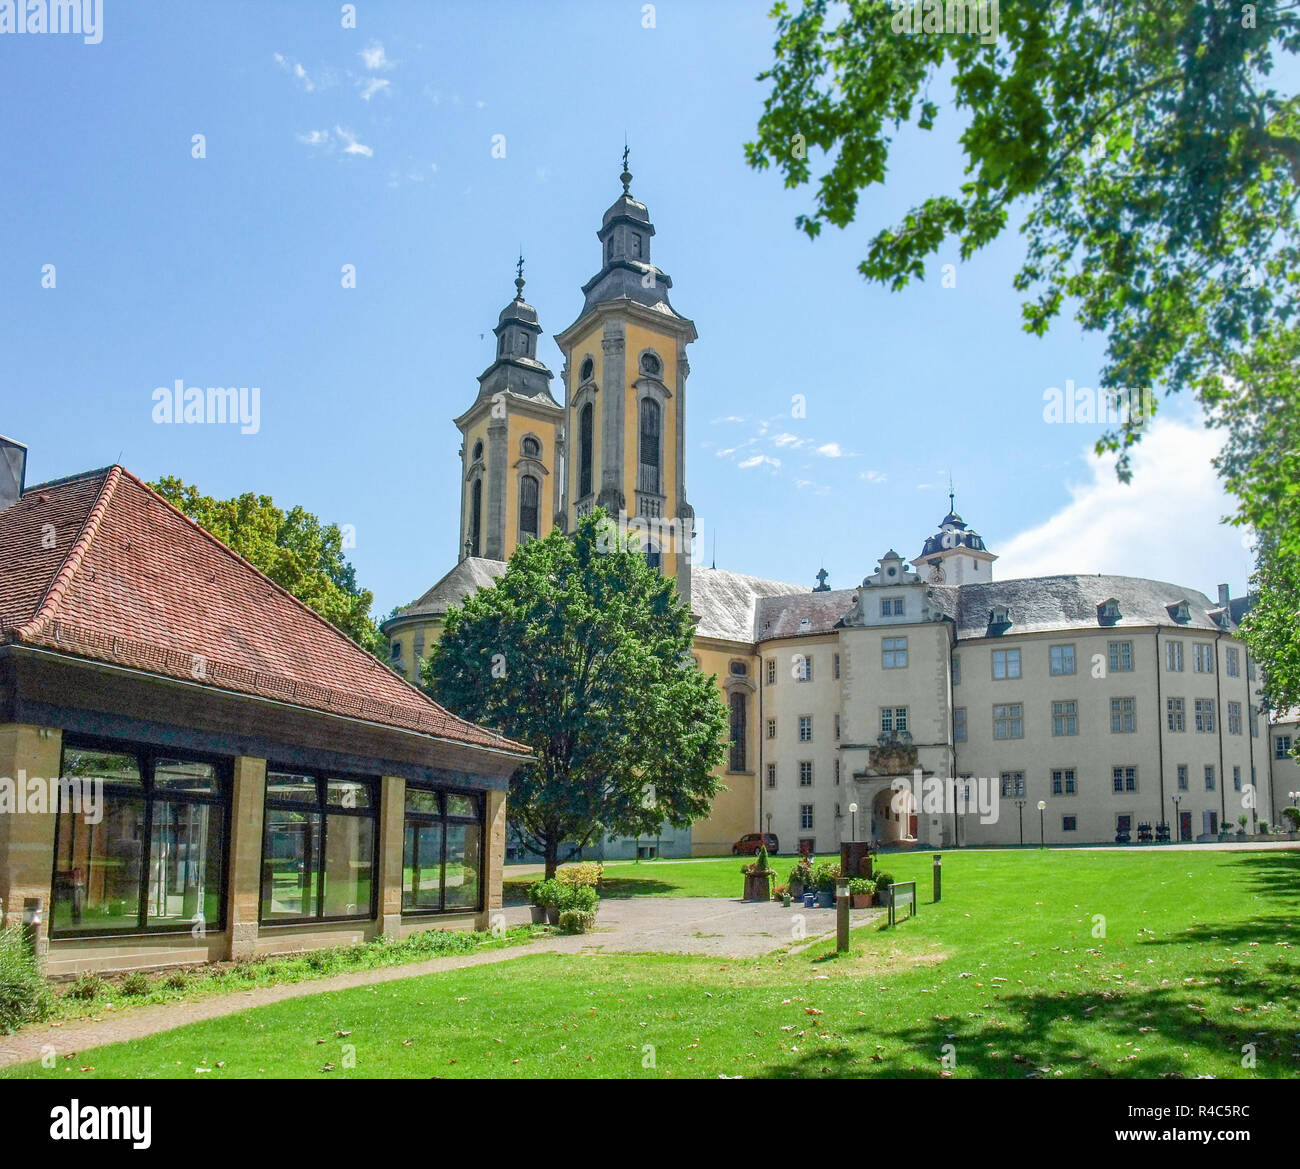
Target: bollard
938,875
32,924
841,915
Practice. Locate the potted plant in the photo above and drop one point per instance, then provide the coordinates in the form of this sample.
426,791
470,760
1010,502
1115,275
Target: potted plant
546,896
801,878
884,888
824,877
862,891
758,877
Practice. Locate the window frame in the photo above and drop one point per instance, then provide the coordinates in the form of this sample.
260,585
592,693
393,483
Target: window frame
1066,649
146,755
1007,658
891,649
325,810
1065,718
445,819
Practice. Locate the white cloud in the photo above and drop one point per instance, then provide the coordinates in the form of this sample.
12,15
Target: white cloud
369,86
788,440
350,143
872,476
1163,525
830,450
373,57
295,70
758,461
315,137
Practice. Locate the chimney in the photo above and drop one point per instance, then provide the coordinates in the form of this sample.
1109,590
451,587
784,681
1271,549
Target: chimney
1223,594
13,469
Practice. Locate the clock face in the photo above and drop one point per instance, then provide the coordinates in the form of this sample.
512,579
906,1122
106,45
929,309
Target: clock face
937,575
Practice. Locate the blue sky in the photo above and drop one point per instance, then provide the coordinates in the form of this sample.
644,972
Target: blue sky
372,146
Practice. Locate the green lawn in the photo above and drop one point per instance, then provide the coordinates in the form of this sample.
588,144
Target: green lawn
1006,976
668,878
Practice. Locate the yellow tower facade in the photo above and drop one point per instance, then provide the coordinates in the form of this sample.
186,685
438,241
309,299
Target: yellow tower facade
624,375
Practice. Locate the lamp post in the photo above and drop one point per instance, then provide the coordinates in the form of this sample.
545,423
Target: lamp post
1042,824
853,821
1177,799
1020,805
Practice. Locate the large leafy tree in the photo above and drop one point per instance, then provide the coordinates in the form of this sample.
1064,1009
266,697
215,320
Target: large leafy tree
582,651
296,550
1152,166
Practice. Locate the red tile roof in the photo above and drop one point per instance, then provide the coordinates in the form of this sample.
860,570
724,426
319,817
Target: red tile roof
101,567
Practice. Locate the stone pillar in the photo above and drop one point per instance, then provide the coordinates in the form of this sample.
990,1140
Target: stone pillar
27,838
392,813
247,808
496,854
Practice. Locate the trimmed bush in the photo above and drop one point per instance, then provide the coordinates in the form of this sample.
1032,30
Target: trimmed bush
585,874
24,994
1293,815
547,894
884,880
582,898
576,921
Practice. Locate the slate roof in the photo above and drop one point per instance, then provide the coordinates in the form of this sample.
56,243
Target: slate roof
725,601
130,581
470,575
1036,604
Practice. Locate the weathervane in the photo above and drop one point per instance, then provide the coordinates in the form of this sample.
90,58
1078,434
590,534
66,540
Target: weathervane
519,276
625,177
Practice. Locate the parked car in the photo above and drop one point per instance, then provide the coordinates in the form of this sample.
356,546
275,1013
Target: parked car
749,844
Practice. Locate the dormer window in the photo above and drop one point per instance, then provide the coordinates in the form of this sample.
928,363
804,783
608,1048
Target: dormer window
1001,615
805,623
1180,612
1109,610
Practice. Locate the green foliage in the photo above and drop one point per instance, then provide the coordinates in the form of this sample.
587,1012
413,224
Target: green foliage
861,885
546,893
884,880
583,873
582,651
576,921
24,994
136,984
297,551
801,872
1293,817
582,898
825,876
86,987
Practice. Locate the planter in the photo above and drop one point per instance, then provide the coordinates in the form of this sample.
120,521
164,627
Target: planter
863,900
552,915
758,886
538,913
825,899
796,890
885,897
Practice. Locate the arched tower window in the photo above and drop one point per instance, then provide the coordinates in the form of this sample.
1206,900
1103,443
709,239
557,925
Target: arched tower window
649,446
529,491
588,369
584,451
531,447
478,450
475,517
739,720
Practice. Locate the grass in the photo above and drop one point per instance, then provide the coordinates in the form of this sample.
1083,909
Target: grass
1046,964
93,996
667,878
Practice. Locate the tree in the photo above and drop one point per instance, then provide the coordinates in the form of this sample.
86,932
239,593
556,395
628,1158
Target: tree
294,549
1157,173
582,651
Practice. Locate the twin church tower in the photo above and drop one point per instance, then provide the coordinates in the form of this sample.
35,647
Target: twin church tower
530,464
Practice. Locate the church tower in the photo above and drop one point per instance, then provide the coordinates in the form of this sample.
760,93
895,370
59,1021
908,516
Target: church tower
624,375
955,554
513,445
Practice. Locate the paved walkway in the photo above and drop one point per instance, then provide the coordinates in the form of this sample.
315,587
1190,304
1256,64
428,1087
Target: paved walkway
716,927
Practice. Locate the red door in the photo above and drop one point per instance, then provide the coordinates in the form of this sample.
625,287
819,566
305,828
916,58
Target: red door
1184,825
911,827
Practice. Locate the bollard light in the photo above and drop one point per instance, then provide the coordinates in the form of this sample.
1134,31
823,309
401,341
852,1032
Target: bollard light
938,876
841,887
841,914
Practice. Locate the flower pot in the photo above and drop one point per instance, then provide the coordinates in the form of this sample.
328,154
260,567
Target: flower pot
538,914
825,899
863,900
758,886
796,890
552,915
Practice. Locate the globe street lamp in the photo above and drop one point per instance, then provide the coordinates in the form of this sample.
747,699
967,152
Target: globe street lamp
1042,825
853,820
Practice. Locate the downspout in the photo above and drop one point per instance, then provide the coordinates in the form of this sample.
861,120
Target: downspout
1223,718
1160,733
761,731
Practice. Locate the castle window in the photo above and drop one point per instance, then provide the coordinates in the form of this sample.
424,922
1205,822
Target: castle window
478,450
584,451
650,364
649,478
529,490
475,517
588,369
636,245
739,718
396,650
531,447
739,669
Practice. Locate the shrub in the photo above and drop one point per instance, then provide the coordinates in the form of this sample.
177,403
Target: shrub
583,898
177,980
86,986
860,885
1293,815
802,872
824,876
884,880
576,921
136,984
546,893
24,994
586,874
1264,828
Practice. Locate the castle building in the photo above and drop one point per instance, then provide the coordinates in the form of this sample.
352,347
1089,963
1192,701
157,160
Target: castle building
1119,704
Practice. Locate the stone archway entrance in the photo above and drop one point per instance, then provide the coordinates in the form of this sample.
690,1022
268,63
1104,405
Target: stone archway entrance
891,824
